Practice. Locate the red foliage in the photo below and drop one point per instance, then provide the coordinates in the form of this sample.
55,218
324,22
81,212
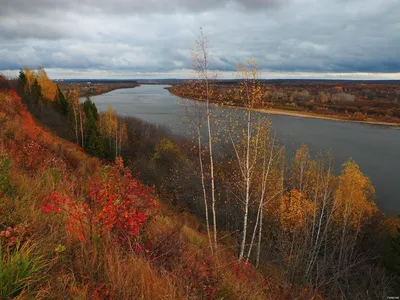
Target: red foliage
200,275
11,235
243,270
115,203
35,147
33,157
77,215
101,292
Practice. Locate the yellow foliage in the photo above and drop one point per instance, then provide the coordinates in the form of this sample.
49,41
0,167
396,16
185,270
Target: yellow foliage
109,122
295,211
300,168
354,197
30,79
49,88
249,90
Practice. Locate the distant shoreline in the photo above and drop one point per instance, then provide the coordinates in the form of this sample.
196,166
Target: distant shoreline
284,112
309,115
122,88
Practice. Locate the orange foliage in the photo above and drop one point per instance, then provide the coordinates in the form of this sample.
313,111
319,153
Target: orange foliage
295,210
49,88
354,197
30,78
38,148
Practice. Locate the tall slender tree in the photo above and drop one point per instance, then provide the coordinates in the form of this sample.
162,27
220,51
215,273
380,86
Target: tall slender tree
73,100
93,139
201,62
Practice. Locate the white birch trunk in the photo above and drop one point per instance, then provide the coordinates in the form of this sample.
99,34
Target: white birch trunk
204,189
247,195
76,123
80,120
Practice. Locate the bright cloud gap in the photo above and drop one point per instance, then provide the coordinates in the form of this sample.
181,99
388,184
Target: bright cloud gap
188,74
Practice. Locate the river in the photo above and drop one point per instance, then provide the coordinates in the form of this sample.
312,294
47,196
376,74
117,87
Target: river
375,148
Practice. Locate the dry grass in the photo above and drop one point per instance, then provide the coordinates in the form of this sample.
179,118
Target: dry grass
131,277
179,264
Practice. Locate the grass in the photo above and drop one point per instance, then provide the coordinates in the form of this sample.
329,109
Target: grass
20,268
179,265
132,277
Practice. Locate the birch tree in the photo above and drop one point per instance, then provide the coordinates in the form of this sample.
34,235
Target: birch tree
49,88
109,129
246,140
194,116
73,99
30,78
354,205
201,63
122,137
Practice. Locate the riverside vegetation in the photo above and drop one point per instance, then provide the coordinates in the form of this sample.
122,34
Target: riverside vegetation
99,206
361,101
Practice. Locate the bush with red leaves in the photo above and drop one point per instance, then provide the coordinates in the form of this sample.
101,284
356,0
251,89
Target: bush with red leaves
116,203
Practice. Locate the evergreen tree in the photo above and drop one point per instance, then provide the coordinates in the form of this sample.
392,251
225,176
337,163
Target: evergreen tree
94,141
21,82
61,102
36,92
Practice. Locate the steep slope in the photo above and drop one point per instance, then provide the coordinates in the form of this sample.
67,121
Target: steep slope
73,227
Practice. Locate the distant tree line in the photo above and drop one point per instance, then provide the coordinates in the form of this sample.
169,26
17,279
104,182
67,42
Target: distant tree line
357,101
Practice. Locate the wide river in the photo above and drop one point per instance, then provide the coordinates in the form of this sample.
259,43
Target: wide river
375,148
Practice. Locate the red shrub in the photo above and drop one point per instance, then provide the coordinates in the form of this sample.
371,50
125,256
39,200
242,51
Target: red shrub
115,203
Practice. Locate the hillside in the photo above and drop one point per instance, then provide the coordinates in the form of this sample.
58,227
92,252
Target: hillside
63,234
121,209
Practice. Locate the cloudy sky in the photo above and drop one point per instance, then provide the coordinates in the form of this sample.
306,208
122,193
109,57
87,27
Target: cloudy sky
152,38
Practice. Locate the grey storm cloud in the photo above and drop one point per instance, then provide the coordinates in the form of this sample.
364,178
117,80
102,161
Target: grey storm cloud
122,7
155,36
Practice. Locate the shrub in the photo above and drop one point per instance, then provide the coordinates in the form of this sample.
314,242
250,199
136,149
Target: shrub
116,203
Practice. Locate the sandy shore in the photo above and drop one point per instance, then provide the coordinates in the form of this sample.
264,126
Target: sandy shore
298,114
277,111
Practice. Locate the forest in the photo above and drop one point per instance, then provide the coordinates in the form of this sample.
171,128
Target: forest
99,206
94,87
348,100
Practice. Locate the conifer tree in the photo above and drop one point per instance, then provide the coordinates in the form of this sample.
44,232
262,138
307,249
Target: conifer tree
61,102
21,82
93,140
36,92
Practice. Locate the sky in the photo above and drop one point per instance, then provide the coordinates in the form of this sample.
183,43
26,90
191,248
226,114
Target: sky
338,39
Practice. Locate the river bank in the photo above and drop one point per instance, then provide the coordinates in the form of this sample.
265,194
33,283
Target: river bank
305,114
276,111
92,88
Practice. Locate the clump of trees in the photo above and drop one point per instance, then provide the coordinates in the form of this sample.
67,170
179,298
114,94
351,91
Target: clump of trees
101,135
323,230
